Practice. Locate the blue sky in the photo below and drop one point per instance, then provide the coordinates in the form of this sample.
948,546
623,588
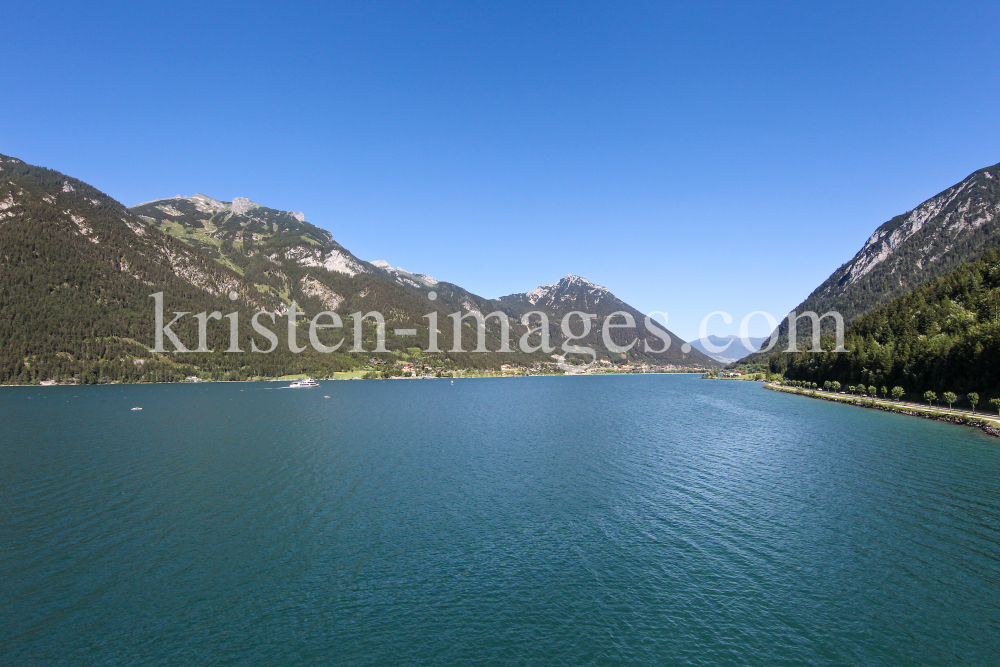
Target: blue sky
691,157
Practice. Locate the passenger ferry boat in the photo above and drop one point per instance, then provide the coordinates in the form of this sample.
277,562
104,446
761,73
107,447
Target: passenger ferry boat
301,384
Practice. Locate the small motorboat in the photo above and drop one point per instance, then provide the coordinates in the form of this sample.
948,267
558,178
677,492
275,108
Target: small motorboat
303,384
137,408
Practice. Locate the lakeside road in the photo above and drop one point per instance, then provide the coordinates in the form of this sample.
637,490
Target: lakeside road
991,422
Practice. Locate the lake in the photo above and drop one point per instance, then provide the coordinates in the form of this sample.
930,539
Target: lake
641,520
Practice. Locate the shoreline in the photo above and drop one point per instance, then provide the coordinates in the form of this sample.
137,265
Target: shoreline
423,377
988,425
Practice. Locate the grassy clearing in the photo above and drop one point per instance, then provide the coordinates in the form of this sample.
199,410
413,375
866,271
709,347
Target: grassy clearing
349,375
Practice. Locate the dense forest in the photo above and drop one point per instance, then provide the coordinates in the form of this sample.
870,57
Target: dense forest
943,336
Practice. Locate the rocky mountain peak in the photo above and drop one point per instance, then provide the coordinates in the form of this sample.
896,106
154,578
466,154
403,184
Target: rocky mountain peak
242,205
206,203
572,280
404,277
570,288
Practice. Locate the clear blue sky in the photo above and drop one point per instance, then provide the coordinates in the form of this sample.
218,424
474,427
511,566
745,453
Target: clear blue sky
691,157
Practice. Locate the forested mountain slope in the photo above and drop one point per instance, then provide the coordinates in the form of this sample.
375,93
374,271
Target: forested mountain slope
942,336
77,272
955,226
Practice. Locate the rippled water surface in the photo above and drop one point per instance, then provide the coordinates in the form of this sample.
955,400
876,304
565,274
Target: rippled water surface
534,521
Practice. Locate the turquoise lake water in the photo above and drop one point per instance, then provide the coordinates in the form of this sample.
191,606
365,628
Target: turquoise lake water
646,520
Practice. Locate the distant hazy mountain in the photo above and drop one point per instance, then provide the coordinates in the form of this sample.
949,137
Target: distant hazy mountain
955,226
735,350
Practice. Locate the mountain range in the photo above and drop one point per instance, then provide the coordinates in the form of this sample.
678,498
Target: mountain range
294,260
79,267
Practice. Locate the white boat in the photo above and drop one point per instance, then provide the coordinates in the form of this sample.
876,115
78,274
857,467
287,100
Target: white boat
137,408
302,384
